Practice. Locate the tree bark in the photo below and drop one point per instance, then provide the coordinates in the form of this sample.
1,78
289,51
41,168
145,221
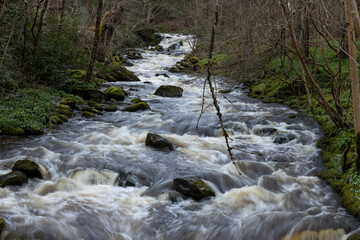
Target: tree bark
349,8
96,41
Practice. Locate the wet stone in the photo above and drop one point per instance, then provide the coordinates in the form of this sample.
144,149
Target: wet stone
193,187
283,138
156,141
30,168
14,178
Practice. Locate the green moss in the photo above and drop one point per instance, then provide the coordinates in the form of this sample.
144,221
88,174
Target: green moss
88,114
159,48
2,224
95,105
69,101
30,168
116,72
137,100
110,108
169,91
78,74
115,93
354,237
91,110
13,179
141,106
15,131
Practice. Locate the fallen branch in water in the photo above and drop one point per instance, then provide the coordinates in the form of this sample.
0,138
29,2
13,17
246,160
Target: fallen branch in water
213,94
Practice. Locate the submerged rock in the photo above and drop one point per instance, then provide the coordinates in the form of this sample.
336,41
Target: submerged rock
169,91
159,48
193,187
140,106
116,93
282,138
30,168
14,178
156,141
265,131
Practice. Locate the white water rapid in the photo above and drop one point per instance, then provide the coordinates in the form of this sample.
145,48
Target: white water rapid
278,195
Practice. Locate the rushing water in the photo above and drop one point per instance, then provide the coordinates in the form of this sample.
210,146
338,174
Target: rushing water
278,195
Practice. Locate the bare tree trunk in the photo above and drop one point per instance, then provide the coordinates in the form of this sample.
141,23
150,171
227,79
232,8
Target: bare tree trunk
355,13
94,49
349,8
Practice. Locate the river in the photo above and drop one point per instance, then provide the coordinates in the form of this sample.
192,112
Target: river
277,195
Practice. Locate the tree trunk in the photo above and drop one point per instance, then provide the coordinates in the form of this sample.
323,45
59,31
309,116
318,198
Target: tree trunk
3,9
349,8
94,49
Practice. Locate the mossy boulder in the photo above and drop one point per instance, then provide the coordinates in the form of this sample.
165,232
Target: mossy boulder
69,101
141,106
88,114
115,72
137,100
224,91
148,36
109,108
193,187
354,237
116,93
78,74
13,131
169,91
14,178
30,168
95,105
157,141
92,110
159,48
86,93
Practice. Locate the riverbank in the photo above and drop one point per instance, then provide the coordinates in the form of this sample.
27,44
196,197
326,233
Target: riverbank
338,145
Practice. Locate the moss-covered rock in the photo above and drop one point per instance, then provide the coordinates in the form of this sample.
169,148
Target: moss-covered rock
12,131
354,237
78,74
95,105
92,110
136,100
350,200
30,168
141,106
88,114
148,36
13,179
156,141
86,93
110,108
69,101
115,72
159,48
193,187
224,91
116,93
34,130
169,91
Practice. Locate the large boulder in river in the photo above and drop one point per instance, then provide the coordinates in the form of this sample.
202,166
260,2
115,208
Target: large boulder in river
140,106
13,179
193,187
169,91
117,72
157,141
30,168
282,138
116,93
86,93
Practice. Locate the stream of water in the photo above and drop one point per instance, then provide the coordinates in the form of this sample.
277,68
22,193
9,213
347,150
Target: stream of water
278,195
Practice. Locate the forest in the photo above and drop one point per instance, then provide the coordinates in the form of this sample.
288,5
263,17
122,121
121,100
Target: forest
67,65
